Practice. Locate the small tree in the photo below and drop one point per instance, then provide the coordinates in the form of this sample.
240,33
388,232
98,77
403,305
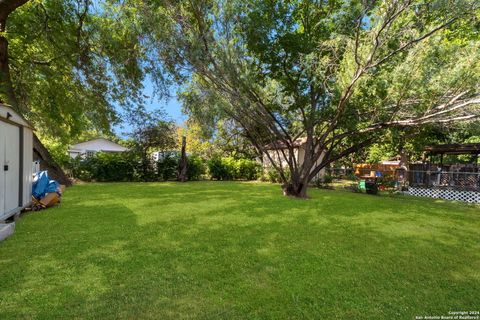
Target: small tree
152,136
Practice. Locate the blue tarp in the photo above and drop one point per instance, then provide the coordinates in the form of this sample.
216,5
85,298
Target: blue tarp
42,184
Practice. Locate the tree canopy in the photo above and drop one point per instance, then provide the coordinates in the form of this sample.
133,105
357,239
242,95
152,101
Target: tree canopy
75,65
336,73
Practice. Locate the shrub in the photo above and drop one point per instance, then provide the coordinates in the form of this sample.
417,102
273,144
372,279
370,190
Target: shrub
324,182
80,169
247,169
113,167
167,167
145,168
230,168
272,175
195,168
351,176
59,154
130,166
217,169
104,166
327,178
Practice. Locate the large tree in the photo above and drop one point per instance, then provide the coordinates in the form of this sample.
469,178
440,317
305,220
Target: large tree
68,65
336,73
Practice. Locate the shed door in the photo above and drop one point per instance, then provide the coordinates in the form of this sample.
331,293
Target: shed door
2,173
11,166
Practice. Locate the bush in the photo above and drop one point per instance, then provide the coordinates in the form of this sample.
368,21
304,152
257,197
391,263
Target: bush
221,168
327,178
272,175
115,167
79,169
167,167
195,168
351,176
104,167
233,169
217,169
145,169
247,169
325,182
59,154
130,166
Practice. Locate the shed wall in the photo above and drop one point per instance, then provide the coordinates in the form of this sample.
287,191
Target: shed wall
16,156
27,166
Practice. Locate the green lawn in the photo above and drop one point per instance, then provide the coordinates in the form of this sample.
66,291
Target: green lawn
239,251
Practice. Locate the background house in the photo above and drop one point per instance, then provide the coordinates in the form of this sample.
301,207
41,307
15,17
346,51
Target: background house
89,148
299,154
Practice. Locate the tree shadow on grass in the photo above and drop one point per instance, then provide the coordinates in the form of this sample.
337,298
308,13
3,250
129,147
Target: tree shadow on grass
249,256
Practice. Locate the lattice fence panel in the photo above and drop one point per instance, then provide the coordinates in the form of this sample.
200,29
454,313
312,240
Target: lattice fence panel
458,195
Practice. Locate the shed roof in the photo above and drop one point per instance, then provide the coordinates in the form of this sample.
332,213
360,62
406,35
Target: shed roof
454,148
8,114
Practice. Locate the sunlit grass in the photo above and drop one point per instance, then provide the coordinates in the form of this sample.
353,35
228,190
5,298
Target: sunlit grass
239,250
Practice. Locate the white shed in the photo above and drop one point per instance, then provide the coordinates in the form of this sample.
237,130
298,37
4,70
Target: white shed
16,157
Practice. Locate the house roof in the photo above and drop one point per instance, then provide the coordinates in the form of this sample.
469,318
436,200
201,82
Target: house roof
107,145
455,148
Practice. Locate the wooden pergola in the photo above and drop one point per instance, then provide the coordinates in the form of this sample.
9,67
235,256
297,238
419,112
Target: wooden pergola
454,149
457,176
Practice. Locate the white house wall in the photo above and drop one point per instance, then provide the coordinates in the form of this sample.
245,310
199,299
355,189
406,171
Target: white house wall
278,158
299,154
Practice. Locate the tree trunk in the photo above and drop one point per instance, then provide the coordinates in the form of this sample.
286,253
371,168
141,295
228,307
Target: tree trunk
7,95
296,187
295,190
6,88
403,158
182,165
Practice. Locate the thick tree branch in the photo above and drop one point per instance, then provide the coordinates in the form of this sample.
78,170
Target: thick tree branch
8,6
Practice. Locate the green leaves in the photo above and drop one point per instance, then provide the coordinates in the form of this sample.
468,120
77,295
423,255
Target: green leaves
74,63
310,62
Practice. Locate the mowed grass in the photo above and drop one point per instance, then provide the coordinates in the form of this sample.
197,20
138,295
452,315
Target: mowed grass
231,250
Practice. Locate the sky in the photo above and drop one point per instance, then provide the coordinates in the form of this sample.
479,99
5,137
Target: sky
172,107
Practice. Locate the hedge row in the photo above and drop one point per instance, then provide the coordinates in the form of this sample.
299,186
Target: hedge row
233,169
129,166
